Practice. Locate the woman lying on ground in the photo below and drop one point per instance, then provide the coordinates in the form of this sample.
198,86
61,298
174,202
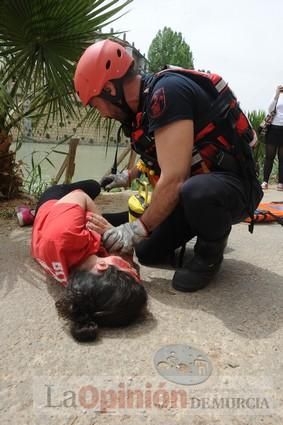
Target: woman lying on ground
101,289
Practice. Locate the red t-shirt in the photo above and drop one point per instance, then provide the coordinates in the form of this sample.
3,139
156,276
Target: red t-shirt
60,240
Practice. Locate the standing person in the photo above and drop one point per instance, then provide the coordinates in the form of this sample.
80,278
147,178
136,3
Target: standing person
101,289
274,140
194,142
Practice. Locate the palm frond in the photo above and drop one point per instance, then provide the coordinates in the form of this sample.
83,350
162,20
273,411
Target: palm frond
40,40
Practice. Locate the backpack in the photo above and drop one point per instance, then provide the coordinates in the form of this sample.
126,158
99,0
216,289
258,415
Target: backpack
233,154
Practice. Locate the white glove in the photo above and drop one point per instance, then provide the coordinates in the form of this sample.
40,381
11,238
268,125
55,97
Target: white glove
123,238
115,180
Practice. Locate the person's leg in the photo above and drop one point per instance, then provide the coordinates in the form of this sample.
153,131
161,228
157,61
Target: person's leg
90,187
213,203
280,165
116,219
270,152
173,233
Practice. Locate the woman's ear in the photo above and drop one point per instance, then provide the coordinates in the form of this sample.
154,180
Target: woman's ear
101,266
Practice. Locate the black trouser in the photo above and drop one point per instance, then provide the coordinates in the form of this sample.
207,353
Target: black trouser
270,153
90,187
209,205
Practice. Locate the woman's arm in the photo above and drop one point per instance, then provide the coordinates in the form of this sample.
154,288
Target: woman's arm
272,106
82,199
95,221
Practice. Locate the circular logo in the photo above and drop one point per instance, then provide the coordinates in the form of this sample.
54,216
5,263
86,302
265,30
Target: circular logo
182,364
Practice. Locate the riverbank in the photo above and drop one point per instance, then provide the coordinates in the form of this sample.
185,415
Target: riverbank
82,141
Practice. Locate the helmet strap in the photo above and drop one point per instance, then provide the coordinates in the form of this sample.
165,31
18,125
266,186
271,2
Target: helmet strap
119,99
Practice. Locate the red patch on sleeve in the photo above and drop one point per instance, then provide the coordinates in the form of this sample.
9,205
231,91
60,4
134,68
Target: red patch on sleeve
157,104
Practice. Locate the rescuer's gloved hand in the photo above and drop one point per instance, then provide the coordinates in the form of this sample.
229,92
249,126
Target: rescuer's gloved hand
123,238
115,180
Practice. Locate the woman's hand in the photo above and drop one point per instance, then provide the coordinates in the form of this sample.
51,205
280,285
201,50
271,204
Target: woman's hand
279,90
96,223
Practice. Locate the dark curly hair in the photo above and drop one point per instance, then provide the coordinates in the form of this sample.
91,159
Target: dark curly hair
112,299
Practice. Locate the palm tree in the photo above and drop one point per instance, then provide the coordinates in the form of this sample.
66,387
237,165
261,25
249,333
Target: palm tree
40,40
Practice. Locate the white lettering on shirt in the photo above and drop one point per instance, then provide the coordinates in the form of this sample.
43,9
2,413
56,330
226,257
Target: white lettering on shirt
56,270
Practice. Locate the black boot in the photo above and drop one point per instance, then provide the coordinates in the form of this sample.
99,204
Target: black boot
202,267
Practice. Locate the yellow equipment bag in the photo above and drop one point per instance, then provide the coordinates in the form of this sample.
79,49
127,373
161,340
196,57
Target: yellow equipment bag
138,203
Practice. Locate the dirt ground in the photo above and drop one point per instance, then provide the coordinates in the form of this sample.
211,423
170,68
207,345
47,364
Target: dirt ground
47,378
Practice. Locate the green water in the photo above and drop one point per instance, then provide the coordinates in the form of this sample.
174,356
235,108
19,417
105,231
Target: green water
91,161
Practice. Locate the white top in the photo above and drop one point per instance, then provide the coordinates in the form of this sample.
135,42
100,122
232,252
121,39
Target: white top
278,118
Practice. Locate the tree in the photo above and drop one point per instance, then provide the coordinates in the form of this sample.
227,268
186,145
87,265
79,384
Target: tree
169,47
40,40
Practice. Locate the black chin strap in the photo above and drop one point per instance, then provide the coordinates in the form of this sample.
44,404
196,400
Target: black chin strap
127,132
118,139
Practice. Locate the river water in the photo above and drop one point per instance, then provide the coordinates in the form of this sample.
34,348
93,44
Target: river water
91,161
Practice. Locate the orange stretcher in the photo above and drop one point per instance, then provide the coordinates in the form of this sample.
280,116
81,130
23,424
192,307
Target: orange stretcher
268,212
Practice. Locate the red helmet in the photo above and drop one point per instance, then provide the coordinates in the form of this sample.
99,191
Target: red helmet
101,62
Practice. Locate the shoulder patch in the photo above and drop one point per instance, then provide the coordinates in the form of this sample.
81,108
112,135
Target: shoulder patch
157,104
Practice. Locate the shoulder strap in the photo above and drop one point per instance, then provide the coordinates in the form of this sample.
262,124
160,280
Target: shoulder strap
213,84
